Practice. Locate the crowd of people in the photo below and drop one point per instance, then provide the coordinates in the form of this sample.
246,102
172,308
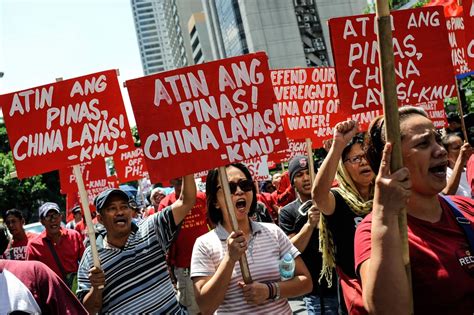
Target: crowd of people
184,253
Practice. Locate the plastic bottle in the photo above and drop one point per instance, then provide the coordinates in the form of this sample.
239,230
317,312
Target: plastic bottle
287,267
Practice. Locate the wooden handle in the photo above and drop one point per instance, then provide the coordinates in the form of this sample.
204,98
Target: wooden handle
309,150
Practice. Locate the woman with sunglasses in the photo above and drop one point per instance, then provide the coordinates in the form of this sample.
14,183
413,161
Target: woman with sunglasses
216,274
439,228
343,207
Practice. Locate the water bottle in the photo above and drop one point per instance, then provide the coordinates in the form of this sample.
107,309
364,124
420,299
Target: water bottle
287,267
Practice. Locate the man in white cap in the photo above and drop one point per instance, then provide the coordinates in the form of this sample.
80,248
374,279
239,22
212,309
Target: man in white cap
133,278
59,248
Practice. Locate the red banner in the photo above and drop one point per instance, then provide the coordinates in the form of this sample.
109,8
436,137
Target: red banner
130,165
65,123
92,172
422,61
469,33
295,147
457,41
308,102
208,115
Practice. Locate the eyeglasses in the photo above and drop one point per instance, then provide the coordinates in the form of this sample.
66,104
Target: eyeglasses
356,159
245,185
52,217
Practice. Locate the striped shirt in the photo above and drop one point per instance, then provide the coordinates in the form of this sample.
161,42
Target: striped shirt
136,277
267,245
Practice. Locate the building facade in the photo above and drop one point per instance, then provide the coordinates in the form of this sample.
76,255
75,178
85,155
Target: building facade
199,38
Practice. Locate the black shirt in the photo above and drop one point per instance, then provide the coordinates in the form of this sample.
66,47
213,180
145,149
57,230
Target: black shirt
291,222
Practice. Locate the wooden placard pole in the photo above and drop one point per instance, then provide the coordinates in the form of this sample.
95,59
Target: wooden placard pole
461,113
282,167
309,150
87,214
244,266
391,118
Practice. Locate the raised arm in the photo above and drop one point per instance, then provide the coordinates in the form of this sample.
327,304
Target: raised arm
455,178
186,200
384,282
323,198
301,239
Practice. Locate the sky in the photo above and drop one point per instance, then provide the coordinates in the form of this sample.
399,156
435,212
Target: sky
41,40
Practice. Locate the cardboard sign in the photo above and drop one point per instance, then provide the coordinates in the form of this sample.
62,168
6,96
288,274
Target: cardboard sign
295,147
258,168
422,61
65,123
436,112
457,41
209,115
92,173
469,33
130,165
308,102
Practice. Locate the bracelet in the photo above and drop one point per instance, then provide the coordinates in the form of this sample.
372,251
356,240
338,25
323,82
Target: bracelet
270,290
277,294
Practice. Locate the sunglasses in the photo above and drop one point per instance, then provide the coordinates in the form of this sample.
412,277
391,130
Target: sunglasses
245,185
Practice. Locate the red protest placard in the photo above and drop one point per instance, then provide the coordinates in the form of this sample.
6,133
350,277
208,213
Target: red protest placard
91,172
205,116
295,147
457,41
65,123
308,102
258,168
422,61
469,33
130,165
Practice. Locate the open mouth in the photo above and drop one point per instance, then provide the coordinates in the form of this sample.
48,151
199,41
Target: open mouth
54,226
366,171
120,221
439,170
241,204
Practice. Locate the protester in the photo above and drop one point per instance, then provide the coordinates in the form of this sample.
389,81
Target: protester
454,125
458,155
179,255
30,287
276,178
15,222
442,264
267,187
57,247
343,207
81,226
76,212
133,271
218,282
157,194
299,220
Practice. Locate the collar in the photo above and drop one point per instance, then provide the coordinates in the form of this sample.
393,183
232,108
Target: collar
222,233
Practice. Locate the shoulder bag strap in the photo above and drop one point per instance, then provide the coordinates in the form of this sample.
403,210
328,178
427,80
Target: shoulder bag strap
56,257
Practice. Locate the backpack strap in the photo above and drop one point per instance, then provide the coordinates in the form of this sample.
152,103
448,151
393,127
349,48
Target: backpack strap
56,257
463,222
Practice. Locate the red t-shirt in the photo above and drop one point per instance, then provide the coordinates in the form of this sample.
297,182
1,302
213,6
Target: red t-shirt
270,202
470,173
16,250
441,262
193,226
69,250
285,193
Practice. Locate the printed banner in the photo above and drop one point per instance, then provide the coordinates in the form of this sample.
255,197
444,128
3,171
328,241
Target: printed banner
258,168
130,165
469,33
295,147
209,115
308,102
423,63
66,123
457,41
92,173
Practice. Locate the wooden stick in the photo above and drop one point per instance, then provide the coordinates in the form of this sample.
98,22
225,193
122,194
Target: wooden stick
309,150
244,266
87,214
391,118
282,167
460,111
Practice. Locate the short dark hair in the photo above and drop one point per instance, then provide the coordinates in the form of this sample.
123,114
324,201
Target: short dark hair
212,181
446,139
376,138
14,212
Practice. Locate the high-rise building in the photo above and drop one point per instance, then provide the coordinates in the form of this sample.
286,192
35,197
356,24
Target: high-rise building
294,33
200,44
159,35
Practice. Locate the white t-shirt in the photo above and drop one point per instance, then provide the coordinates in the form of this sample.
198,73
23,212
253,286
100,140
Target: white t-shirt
15,296
464,189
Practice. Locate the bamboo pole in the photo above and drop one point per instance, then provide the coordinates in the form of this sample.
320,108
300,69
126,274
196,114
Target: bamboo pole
391,118
309,150
244,266
461,113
